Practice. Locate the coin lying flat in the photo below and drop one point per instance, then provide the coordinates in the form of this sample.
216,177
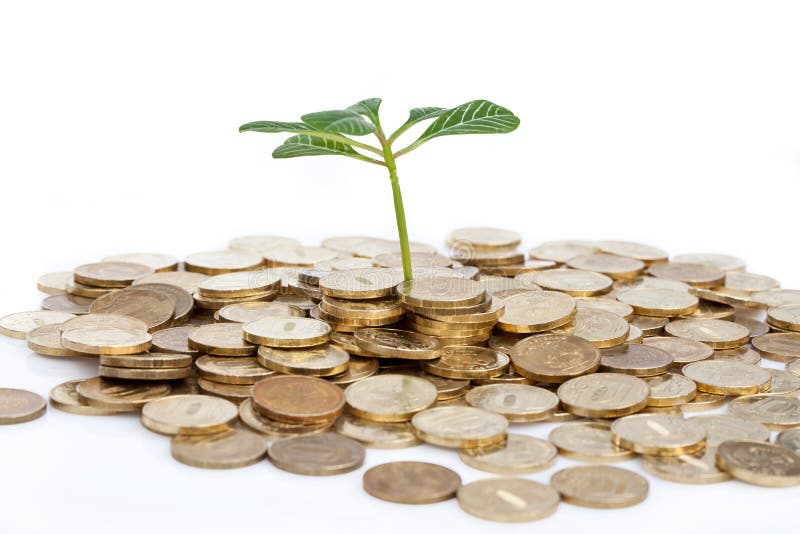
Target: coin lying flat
110,273
683,351
67,303
324,360
562,251
606,304
460,427
554,358
508,500
228,370
786,317
629,249
390,397
481,238
722,428
659,302
467,363
600,486
716,333
778,346
258,244
588,441
604,395
174,340
602,328
760,463
704,402
65,397
393,343
515,402
298,399
317,454
636,359
377,435
650,326
104,320
157,262
727,378
739,354
773,411
20,406
411,482
272,429
18,325
698,468
670,390
789,439
106,340
188,414
187,281
240,284
776,297
246,312
54,283
222,261
723,262
441,292
360,283
658,435
154,308
520,454
694,274
616,267
227,449
577,283
120,395
749,282
287,332
222,339
46,339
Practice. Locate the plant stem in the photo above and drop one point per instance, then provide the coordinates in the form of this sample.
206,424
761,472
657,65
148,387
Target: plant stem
399,211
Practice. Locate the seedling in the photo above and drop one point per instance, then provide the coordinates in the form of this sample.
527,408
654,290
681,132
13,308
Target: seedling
330,133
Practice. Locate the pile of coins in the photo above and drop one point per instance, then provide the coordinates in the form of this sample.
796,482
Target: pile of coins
310,355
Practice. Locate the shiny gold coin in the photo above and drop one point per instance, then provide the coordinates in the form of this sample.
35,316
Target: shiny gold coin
520,454
188,414
298,399
670,390
602,328
616,267
275,430
789,439
650,326
716,333
46,339
604,395
212,303
222,261
147,360
120,395
317,454
325,360
442,327
231,370
499,284
554,358
362,309
246,312
759,463
92,292
128,373
20,406
718,298
515,402
650,282
659,302
510,376
346,341
54,283
487,258
636,359
390,397
570,281
722,428
723,262
175,340
18,325
589,441
727,378
683,351
287,332
513,270
157,262
658,435
508,500
698,468
739,354
411,482
67,303
377,435
110,273
258,244
104,320
297,256
239,284
236,393
694,274
227,449
635,334
65,398
392,343
536,311
707,309
154,308
467,363
483,239
600,486
446,388
222,339
460,427
628,249
357,369
187,281
344,264
776,412
351,323
601,303
441,292
786,317
106,340
360,283
562,251
776,297
704,402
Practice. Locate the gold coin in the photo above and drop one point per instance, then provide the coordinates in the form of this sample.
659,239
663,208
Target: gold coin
616,267
325,360
187,281
650,326
727,378
481,238
670,390
722,428
392,343
317,454
467,362
763,464
498,284
704,402
91,292
716,333
231,370
157,262
184,301
602,328
698,468
636,359
20,406
287,332
604,395
635,334
776,412
515,402
346,341
718,300
508,377
110,274
210,303
446,388
46,339
601,303
460,427
120,395
441,292
258,244
794,367
722,262
783,383
659,302
154,308
570,281
273,429
418,259
106,340
487,305
707,309
739,354
411,482
297,256
658,434
67,303
508,500
298,399
65,397
362,309
227,449
786,317
18,325
236,393
344,264
351,323
554,358
222,261
377,435
513,270
776,297
360,283
749,282
628,249
589,441
757,328
239,284
175,340
145,374
147,360
54,283
245,312
221,339
487,258
694,274
357,369
390,397
789,439
188,414
562,251
683,351
600,486
104,320
536,311
650,282
520,454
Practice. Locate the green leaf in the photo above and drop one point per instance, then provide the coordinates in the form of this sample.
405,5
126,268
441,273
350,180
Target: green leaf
339,121
306,145
476,117
368,108
420,114
274,127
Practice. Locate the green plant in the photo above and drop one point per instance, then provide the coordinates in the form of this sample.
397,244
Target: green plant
330,133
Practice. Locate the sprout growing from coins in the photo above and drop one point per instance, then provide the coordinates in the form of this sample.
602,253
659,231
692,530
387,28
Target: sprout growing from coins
329,133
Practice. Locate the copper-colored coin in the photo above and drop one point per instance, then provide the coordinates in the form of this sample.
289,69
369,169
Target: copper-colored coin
174,340
298,399
147,360
600,486
187,281
110,273
636,359
184,302
231,370
694,274
411,482
221,262
20,406
467,362
227,449
317,454
683,351
46,340
393,343
222,339
554,358
120,395
716,333
155,308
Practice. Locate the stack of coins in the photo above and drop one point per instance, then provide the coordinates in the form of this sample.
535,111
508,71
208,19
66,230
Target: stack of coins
358,298
222,340
94,280
219,291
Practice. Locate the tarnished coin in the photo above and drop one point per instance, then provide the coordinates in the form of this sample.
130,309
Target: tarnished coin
120,395
174,340
154,308
739,354
360,283
600,486
222,261
18,325
231,370
147,360
515,402
298,399
110,273
46,339
106,340
246,312
187,281
604,395
789,439
54,283
518,455
317,454
325,360
467,362
554,358
629,249
716,333
704,402
227,449
390,397
722,428
602,328
658,435
287,332
508,500
723,262
273,429
670,390
562,251
411,482
393,343
760,463
67,303
616,267
240,284
536,311
606,304
65,397
776,412
659,302
377,435
786,317
589,441
636,359
460,427
441,292
20,406
222,339
698,468
570,281
188,414
727,378
683,351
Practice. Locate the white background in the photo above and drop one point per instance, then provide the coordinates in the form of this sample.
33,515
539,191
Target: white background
674,123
